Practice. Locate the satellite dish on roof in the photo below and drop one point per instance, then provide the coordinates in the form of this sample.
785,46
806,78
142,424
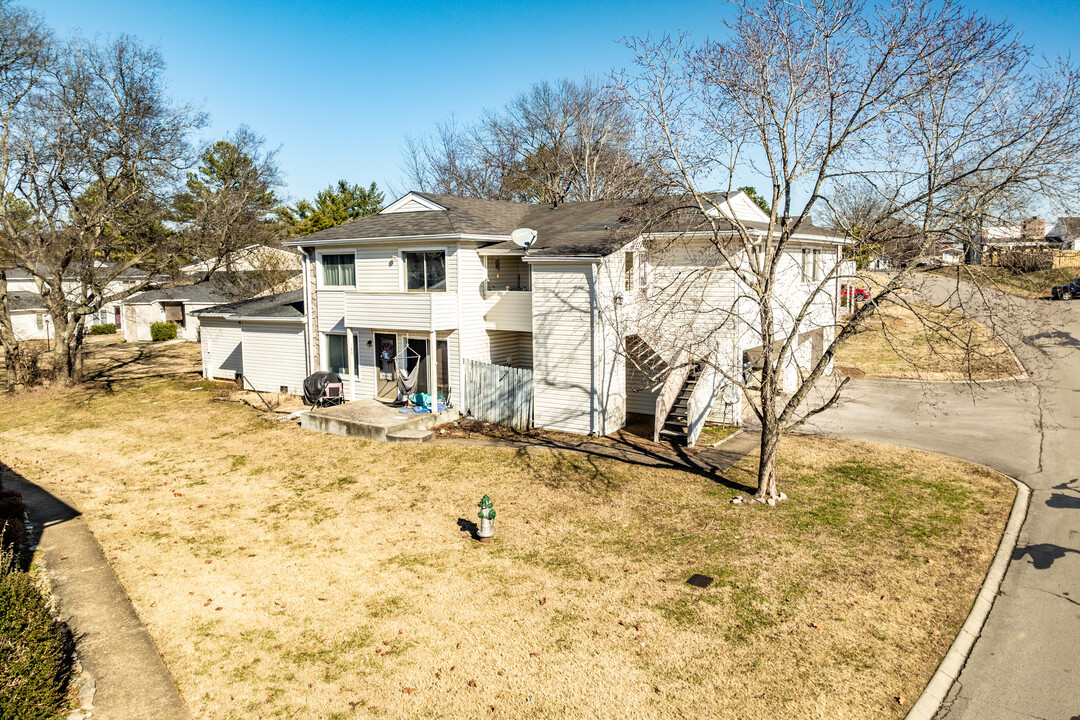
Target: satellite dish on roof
523,237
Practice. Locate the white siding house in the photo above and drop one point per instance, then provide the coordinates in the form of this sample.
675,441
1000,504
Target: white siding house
565,292
260,341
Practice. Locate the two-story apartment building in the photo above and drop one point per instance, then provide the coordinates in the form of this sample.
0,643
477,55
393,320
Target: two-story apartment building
433,280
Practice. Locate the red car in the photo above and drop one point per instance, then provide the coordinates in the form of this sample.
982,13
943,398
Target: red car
859,293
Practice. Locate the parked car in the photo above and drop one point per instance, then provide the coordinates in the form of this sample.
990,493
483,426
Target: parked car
856,292
1069,291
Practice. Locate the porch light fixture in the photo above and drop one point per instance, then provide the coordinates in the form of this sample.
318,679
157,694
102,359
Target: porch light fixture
487,517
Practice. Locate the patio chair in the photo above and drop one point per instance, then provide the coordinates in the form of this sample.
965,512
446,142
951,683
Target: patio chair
332,394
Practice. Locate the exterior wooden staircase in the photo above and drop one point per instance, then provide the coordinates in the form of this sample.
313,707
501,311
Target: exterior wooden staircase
676,426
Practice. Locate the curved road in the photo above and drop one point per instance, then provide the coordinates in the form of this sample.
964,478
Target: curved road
1026,662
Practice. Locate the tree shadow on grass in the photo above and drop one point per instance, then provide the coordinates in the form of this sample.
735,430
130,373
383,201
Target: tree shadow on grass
626,447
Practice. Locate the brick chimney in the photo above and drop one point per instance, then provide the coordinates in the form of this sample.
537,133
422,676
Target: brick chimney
1034,229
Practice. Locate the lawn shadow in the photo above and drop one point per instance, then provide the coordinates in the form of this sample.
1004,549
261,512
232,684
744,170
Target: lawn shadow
468,526
631,446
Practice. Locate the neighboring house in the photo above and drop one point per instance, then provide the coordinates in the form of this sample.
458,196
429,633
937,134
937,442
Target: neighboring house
271,331
951,253
1027,235
252,266
31,321
248,259
176,305
434,280
1065,235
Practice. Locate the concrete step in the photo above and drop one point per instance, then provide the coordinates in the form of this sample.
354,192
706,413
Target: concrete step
409,435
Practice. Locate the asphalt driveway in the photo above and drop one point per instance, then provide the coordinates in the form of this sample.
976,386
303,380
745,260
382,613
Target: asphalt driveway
1026,662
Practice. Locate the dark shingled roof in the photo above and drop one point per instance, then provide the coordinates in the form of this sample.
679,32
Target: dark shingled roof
217,289
283,305
21,300
588,229
568,229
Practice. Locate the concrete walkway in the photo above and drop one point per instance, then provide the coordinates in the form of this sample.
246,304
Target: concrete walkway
1026,662
131,681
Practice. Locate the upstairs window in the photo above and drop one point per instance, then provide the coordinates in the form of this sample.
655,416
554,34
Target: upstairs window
425,271
628,271
339,270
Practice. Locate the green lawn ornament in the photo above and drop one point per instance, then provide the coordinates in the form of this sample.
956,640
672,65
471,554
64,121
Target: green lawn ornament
487,517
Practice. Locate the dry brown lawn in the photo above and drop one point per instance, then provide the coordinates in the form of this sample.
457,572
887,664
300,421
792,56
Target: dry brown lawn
1035,284
930,344
284,573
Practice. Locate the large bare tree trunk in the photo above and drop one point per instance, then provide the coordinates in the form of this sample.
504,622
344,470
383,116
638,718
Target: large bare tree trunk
12,351
67,352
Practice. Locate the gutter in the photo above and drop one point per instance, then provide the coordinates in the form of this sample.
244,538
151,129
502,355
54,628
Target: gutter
299,244
306,270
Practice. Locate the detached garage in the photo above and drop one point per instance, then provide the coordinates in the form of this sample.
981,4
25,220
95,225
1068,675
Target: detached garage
260,339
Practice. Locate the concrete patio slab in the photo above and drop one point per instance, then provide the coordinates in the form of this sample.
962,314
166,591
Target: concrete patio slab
371,419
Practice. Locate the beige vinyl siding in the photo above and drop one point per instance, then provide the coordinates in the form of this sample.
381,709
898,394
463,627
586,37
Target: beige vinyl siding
641,392
510,348
365,381
331,311
274,356
509,311
376,270
222,351
472,337
507,272
562,335
416,311
611,363
453,355
504,347
525,349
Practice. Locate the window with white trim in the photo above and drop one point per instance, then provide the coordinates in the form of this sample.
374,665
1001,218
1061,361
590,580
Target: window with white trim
425,271
339,270
337,354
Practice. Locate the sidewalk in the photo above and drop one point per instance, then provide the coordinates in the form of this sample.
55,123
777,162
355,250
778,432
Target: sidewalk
114,648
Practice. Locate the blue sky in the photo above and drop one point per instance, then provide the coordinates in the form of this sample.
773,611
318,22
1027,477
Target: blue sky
337,85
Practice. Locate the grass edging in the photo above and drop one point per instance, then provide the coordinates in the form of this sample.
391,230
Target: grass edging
928,704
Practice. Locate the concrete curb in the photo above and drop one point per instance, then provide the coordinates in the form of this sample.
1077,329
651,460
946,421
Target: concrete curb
120,662
928,704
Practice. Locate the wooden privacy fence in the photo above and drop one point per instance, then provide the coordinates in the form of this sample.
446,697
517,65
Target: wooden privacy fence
499,394
1028,259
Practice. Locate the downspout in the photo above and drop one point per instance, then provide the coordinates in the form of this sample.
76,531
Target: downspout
307,311
594,428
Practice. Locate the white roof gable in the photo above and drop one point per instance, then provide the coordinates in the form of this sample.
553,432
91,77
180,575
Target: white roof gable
741,207
411,203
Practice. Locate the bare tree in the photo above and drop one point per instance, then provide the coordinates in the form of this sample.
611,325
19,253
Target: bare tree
94,152
556,142
228,204
25,50
941,112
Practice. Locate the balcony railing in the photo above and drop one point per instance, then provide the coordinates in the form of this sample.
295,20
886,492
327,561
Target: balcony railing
509,310
401,310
